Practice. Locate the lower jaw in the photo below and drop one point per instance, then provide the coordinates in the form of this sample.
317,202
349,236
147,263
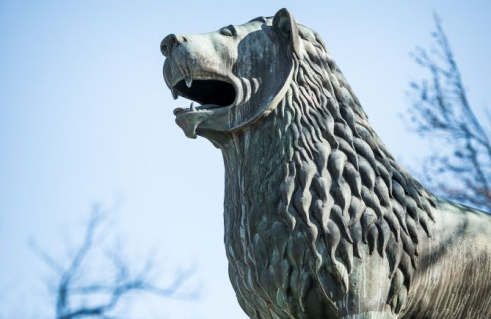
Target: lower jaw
192,108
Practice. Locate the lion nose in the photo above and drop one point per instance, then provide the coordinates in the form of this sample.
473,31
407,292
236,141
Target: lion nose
170,42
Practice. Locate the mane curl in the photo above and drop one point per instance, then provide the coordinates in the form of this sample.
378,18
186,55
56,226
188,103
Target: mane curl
342,191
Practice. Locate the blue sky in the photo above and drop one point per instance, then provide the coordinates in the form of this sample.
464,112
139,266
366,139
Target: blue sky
85,116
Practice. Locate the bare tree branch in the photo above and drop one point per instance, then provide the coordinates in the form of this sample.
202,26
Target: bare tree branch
461,169
104,295
45,257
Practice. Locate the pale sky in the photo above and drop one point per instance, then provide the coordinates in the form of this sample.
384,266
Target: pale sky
85,116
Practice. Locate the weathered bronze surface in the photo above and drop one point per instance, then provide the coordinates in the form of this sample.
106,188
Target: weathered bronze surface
320,219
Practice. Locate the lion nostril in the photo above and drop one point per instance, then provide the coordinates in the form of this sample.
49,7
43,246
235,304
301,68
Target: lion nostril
168,43
163,49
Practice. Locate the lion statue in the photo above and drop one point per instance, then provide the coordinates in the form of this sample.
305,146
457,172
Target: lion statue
320,219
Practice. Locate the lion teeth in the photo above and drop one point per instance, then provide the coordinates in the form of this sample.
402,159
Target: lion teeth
192,107
174,94
189,80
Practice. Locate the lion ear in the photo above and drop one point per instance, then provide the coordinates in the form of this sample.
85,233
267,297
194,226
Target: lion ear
285,27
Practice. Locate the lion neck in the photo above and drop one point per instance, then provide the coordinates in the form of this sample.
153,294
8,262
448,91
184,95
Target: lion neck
254,161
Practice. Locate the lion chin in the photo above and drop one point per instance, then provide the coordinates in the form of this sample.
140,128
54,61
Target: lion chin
320,219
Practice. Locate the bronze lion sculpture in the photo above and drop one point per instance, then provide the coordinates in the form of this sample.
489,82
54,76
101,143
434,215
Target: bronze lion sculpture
320,219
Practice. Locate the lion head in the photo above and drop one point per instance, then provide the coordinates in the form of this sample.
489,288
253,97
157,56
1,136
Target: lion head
237,74
310,190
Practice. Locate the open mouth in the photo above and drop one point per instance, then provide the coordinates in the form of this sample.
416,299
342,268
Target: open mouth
210,93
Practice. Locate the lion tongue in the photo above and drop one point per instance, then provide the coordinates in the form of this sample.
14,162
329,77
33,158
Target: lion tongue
179,110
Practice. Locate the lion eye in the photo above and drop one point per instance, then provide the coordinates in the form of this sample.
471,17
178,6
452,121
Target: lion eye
228,31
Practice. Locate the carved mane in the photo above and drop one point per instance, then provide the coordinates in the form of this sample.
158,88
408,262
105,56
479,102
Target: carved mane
338,193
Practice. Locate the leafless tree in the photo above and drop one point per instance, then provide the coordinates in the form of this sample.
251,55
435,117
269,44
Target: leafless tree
460,168
80,294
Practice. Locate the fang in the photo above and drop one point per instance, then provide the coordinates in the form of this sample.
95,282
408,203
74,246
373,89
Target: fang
189,80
